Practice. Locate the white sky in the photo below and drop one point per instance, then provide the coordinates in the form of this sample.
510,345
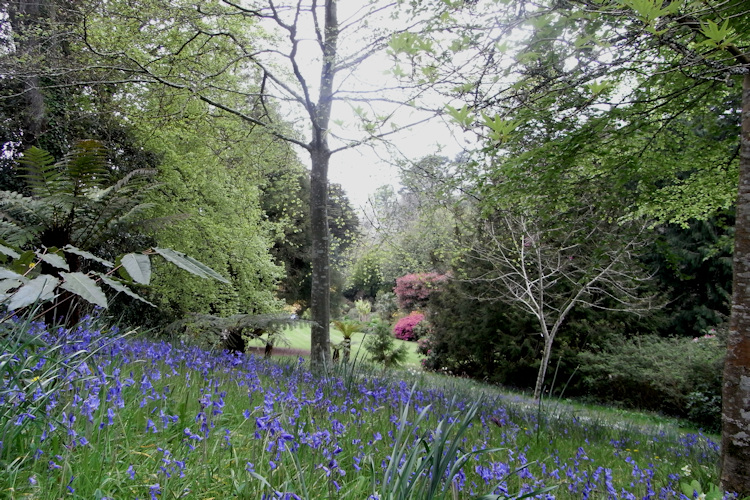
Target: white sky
361,170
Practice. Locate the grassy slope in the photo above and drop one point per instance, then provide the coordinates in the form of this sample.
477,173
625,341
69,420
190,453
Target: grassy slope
156,420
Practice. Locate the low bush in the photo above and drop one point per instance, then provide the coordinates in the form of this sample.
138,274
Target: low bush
407,328
414,290
677,376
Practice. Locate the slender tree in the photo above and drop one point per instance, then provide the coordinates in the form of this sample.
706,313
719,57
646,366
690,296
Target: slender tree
551,265
297,53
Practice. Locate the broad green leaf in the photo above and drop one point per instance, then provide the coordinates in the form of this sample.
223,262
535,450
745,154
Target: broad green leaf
87,255
8,284
122,288
24,262
53,260
500,128
40,289
85,287
721,36
189,264
138,267
9,252
8,274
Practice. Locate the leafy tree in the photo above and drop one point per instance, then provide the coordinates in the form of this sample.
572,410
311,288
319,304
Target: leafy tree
481,339
212,184
610,88
273,44
413,230
692,267
285,201
366,277
364,308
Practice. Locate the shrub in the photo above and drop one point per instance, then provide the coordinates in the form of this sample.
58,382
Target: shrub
381,347
480,339
414,290
404,329
679,376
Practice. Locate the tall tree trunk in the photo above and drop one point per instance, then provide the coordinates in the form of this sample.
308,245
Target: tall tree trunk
320,154
735,432
320,342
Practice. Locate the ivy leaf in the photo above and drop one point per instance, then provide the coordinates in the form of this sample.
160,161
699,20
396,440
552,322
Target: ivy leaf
189,264
40,289
138,267
84,287
122,288
87,255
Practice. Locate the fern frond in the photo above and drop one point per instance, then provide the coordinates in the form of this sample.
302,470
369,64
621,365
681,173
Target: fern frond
18,235
140,174
85,166
39,171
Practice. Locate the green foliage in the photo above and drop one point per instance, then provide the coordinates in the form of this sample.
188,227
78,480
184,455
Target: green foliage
77,200
366,276
380,345
480,339
24,283
409,231
695,490
221,221
424,471
679,376
364,308
386,305
692,268
232,332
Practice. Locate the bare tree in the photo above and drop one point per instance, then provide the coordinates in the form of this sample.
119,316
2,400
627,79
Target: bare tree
549,266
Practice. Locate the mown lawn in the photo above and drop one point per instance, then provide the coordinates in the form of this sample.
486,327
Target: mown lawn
95,415
299,338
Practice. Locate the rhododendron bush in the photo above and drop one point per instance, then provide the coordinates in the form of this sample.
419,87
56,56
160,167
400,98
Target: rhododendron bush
404,328
414,290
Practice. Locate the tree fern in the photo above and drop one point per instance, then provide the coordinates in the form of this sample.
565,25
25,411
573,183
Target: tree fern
40,172
73,201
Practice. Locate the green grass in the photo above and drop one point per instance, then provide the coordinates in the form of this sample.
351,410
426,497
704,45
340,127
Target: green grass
299,338
156,420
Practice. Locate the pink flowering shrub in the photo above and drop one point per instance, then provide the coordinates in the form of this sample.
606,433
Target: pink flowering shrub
414,290
404,328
